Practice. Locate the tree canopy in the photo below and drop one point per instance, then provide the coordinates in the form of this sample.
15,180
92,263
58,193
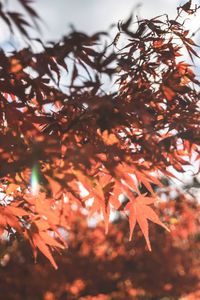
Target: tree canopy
70,144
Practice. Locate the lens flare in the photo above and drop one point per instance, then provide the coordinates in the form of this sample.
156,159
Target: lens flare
35,186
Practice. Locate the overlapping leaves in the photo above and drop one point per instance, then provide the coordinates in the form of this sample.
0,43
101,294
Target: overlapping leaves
84,138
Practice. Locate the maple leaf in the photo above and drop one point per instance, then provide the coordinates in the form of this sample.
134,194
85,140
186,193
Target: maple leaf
10,216
41,239
39,243
140,212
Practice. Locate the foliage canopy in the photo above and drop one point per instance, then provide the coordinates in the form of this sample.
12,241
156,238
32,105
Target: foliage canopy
79,135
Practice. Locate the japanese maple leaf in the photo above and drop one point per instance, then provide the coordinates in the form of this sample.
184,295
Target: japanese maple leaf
141,212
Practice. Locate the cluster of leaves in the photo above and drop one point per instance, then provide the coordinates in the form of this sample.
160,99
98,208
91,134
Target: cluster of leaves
124,271
80,137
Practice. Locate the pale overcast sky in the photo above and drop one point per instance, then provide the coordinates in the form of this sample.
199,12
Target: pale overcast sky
89,15
92,15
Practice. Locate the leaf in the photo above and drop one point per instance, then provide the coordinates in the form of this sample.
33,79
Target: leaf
20,22
17,211
55,186
74,74
108,138
11,188
126,24
140,212
186,6
169,93
41,245
31,11
15,65
50,240
10,216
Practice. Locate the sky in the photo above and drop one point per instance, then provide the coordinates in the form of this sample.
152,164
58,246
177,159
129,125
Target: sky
88,15
93,15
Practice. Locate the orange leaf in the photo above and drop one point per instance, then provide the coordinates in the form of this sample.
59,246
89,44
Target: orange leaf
169,93
140,212
11,188
108,138
15,65
55,186
40,244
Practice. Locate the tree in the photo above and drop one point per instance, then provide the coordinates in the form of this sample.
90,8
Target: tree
80,142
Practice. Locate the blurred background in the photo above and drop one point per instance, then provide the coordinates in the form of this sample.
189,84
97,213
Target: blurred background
90,16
